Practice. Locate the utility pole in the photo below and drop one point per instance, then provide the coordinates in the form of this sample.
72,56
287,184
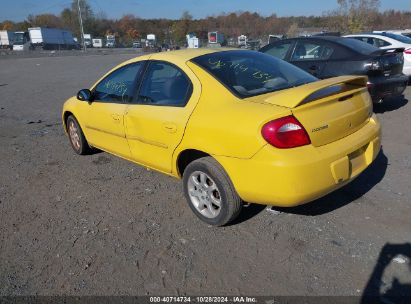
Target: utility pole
81,25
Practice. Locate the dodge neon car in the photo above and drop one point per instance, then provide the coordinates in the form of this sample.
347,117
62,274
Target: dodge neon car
235,125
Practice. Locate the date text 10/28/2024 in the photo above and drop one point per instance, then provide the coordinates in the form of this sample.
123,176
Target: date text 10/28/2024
205,299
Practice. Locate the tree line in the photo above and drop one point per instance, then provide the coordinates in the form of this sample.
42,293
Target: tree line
351,16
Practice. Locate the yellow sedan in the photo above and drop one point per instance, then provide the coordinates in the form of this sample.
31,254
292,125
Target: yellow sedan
236,126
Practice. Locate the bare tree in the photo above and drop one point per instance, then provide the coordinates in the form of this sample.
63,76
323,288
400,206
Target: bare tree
354,15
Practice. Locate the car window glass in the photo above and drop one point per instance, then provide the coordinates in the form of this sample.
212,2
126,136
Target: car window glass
164,84
381,43
248,73
357,44
119,86
311,51
279,50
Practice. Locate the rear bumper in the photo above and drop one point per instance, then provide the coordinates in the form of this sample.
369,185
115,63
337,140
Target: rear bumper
383,87
296,176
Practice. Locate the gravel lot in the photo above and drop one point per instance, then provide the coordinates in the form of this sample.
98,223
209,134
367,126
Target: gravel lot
99,225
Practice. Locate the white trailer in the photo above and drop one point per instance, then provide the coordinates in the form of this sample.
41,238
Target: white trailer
6,39
192,41
52,38
97,42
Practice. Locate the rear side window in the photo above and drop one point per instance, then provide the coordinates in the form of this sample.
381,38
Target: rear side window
311,51
357,44
248,73
373,41
381,43
165,84
278,50
118,86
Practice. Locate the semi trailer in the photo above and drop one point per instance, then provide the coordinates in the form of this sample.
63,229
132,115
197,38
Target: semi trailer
52,38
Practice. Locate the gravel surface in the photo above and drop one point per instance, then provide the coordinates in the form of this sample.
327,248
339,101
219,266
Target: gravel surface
99,225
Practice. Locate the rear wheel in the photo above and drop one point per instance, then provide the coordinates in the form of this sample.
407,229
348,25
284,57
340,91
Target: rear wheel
77,139
210,192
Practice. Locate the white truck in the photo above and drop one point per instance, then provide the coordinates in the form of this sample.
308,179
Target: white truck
6,40
242,41
22,41
151,41
110,41
97,42
52,38
192,41
87,40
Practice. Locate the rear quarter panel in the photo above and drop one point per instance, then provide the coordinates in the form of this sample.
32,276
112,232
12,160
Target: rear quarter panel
222,124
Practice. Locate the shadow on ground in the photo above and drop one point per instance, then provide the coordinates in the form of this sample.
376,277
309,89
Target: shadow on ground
390,104
399,293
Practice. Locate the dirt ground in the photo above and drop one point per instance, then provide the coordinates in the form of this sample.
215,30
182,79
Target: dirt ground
99,225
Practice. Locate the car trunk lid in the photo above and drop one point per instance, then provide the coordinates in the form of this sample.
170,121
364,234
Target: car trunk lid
329,109
391,60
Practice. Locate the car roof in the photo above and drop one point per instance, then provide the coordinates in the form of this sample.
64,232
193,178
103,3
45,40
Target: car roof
181,55
326,38
371,35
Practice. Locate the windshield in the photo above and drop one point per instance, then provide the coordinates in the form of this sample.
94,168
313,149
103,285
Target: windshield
358,46
18,38
401,38
249,73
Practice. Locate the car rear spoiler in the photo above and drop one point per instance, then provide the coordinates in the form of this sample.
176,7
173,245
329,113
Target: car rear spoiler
342,87
388,51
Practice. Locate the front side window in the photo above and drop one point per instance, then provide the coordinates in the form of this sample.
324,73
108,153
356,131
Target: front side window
278,50
120,85
165,84
248,73
311,51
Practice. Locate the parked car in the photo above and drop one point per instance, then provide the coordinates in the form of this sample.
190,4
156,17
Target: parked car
235,125
405,32
326,57
385,40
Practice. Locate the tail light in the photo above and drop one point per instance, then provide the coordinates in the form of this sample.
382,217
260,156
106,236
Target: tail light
407,51
284,133
374,65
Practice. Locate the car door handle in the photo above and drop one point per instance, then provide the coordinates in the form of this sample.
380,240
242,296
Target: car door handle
170,127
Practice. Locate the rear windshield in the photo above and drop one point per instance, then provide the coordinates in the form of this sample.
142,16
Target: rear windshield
250,73
358,46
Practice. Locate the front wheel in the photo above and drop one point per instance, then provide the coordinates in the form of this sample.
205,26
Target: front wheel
77,139
210,192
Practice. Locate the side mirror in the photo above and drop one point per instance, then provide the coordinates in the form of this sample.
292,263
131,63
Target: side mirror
84,95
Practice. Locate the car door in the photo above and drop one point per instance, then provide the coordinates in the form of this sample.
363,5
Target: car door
156,120
104,115
311,56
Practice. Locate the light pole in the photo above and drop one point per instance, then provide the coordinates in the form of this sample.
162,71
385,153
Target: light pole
81,25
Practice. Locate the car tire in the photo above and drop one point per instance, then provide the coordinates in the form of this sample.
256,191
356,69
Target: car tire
210,192
76,136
